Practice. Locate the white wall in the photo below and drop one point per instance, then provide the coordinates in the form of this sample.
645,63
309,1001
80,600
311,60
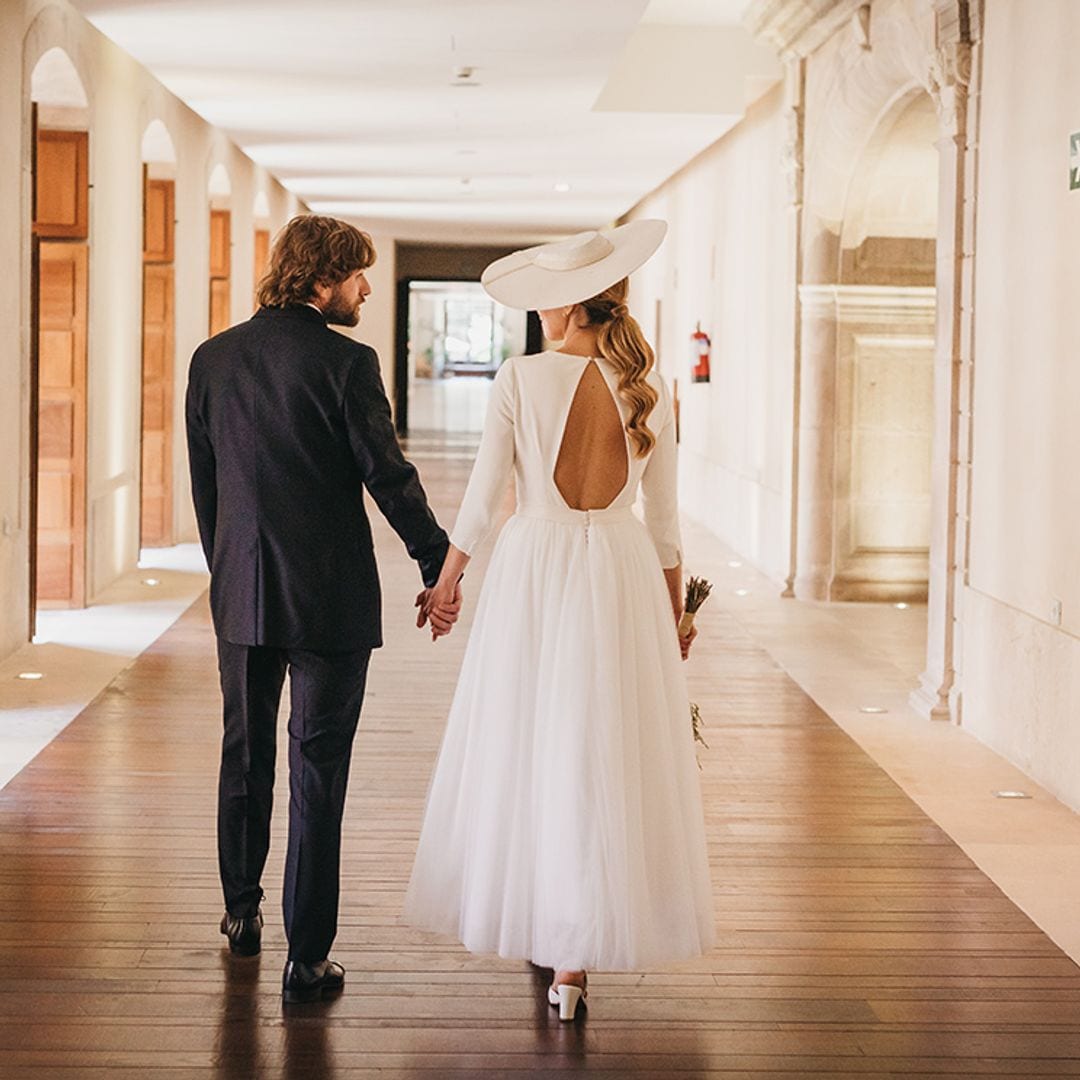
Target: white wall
727,263
123,99
1021,672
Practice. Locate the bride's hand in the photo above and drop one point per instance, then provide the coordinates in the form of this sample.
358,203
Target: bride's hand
440,606
686,642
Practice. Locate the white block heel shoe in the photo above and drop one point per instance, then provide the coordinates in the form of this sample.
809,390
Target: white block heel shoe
566,996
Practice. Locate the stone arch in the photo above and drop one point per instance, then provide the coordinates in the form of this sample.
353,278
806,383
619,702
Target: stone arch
55,31
847,78
260,209
54,80
219,184
156,145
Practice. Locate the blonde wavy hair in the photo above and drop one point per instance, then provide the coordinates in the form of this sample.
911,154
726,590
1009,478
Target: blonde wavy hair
622,343
311,250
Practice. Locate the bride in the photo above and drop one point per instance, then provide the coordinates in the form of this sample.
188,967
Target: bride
564,821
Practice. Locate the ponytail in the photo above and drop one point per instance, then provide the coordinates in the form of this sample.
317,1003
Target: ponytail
622,343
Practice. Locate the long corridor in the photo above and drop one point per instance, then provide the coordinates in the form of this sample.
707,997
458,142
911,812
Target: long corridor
854,937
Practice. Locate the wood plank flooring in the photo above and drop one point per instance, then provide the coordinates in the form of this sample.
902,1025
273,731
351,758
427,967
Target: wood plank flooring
855,939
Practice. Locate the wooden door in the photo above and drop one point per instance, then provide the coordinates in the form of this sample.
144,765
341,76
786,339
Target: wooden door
262,258
61,184
159,220
220,227
156,518
61,453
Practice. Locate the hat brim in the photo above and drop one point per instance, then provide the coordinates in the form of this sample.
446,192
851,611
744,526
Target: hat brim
515,281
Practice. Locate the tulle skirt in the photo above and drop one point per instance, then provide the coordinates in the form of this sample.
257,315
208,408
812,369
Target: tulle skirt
564,821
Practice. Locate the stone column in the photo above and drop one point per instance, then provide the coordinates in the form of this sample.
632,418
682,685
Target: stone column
949,76
795,101
816,443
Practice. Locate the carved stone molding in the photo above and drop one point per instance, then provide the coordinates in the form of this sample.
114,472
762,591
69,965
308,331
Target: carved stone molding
948,78
898,305
798,27
792,155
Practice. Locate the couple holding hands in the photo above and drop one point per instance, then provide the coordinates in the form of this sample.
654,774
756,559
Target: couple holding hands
564,823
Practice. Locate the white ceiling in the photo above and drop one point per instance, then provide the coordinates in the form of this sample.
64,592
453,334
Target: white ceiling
350,102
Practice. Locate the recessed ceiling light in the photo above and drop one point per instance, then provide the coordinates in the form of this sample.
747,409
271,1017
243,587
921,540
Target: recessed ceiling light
151,581
901,607
562,187
734,564
742,592
1011,795
872,709
464,76
30,676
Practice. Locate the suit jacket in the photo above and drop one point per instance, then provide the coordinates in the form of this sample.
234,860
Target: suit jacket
287,423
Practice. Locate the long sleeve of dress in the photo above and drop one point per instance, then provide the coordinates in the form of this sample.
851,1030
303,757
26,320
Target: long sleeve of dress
660,489
493,466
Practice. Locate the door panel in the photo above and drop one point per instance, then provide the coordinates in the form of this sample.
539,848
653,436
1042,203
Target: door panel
262,258
61,184
219,271
61,509
157,396
159,221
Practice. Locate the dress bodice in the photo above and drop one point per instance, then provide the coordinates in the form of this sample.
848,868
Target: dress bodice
530,402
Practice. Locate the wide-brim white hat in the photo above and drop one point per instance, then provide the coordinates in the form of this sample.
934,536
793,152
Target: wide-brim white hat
569,271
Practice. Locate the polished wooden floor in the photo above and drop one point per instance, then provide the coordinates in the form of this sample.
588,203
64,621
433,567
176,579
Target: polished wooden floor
855,939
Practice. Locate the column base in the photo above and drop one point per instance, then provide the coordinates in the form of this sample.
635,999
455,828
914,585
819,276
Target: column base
930,702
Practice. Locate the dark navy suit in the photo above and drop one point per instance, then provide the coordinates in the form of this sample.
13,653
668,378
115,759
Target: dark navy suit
287,423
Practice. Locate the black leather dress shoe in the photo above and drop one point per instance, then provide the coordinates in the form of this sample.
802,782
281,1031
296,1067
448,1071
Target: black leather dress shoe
310,982
244,933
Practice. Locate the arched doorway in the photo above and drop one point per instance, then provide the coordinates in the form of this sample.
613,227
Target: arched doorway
158,338
219,190
60,238
885,310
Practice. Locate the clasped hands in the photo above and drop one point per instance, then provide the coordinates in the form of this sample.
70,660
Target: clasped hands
440,606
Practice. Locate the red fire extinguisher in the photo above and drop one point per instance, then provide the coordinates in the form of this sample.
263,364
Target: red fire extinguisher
702,347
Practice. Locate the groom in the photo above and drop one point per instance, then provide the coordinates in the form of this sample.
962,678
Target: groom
287,423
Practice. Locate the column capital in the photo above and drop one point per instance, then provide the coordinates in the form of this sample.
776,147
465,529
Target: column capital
948,77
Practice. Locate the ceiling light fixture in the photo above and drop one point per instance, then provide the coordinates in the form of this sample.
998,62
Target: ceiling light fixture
151,581
734,564
872,709
464,76
562,187
30,676
1011,795
742,592
901,607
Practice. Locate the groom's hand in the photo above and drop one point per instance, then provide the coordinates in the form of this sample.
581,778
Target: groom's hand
440,610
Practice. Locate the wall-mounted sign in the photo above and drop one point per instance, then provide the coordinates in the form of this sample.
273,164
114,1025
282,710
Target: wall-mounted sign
1074,161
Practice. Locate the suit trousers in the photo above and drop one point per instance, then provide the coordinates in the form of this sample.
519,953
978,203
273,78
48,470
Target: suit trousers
326,691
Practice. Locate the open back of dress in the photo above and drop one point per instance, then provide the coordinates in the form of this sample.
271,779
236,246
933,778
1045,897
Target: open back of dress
592,468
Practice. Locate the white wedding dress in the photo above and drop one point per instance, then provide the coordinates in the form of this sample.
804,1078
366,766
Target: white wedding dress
564,822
